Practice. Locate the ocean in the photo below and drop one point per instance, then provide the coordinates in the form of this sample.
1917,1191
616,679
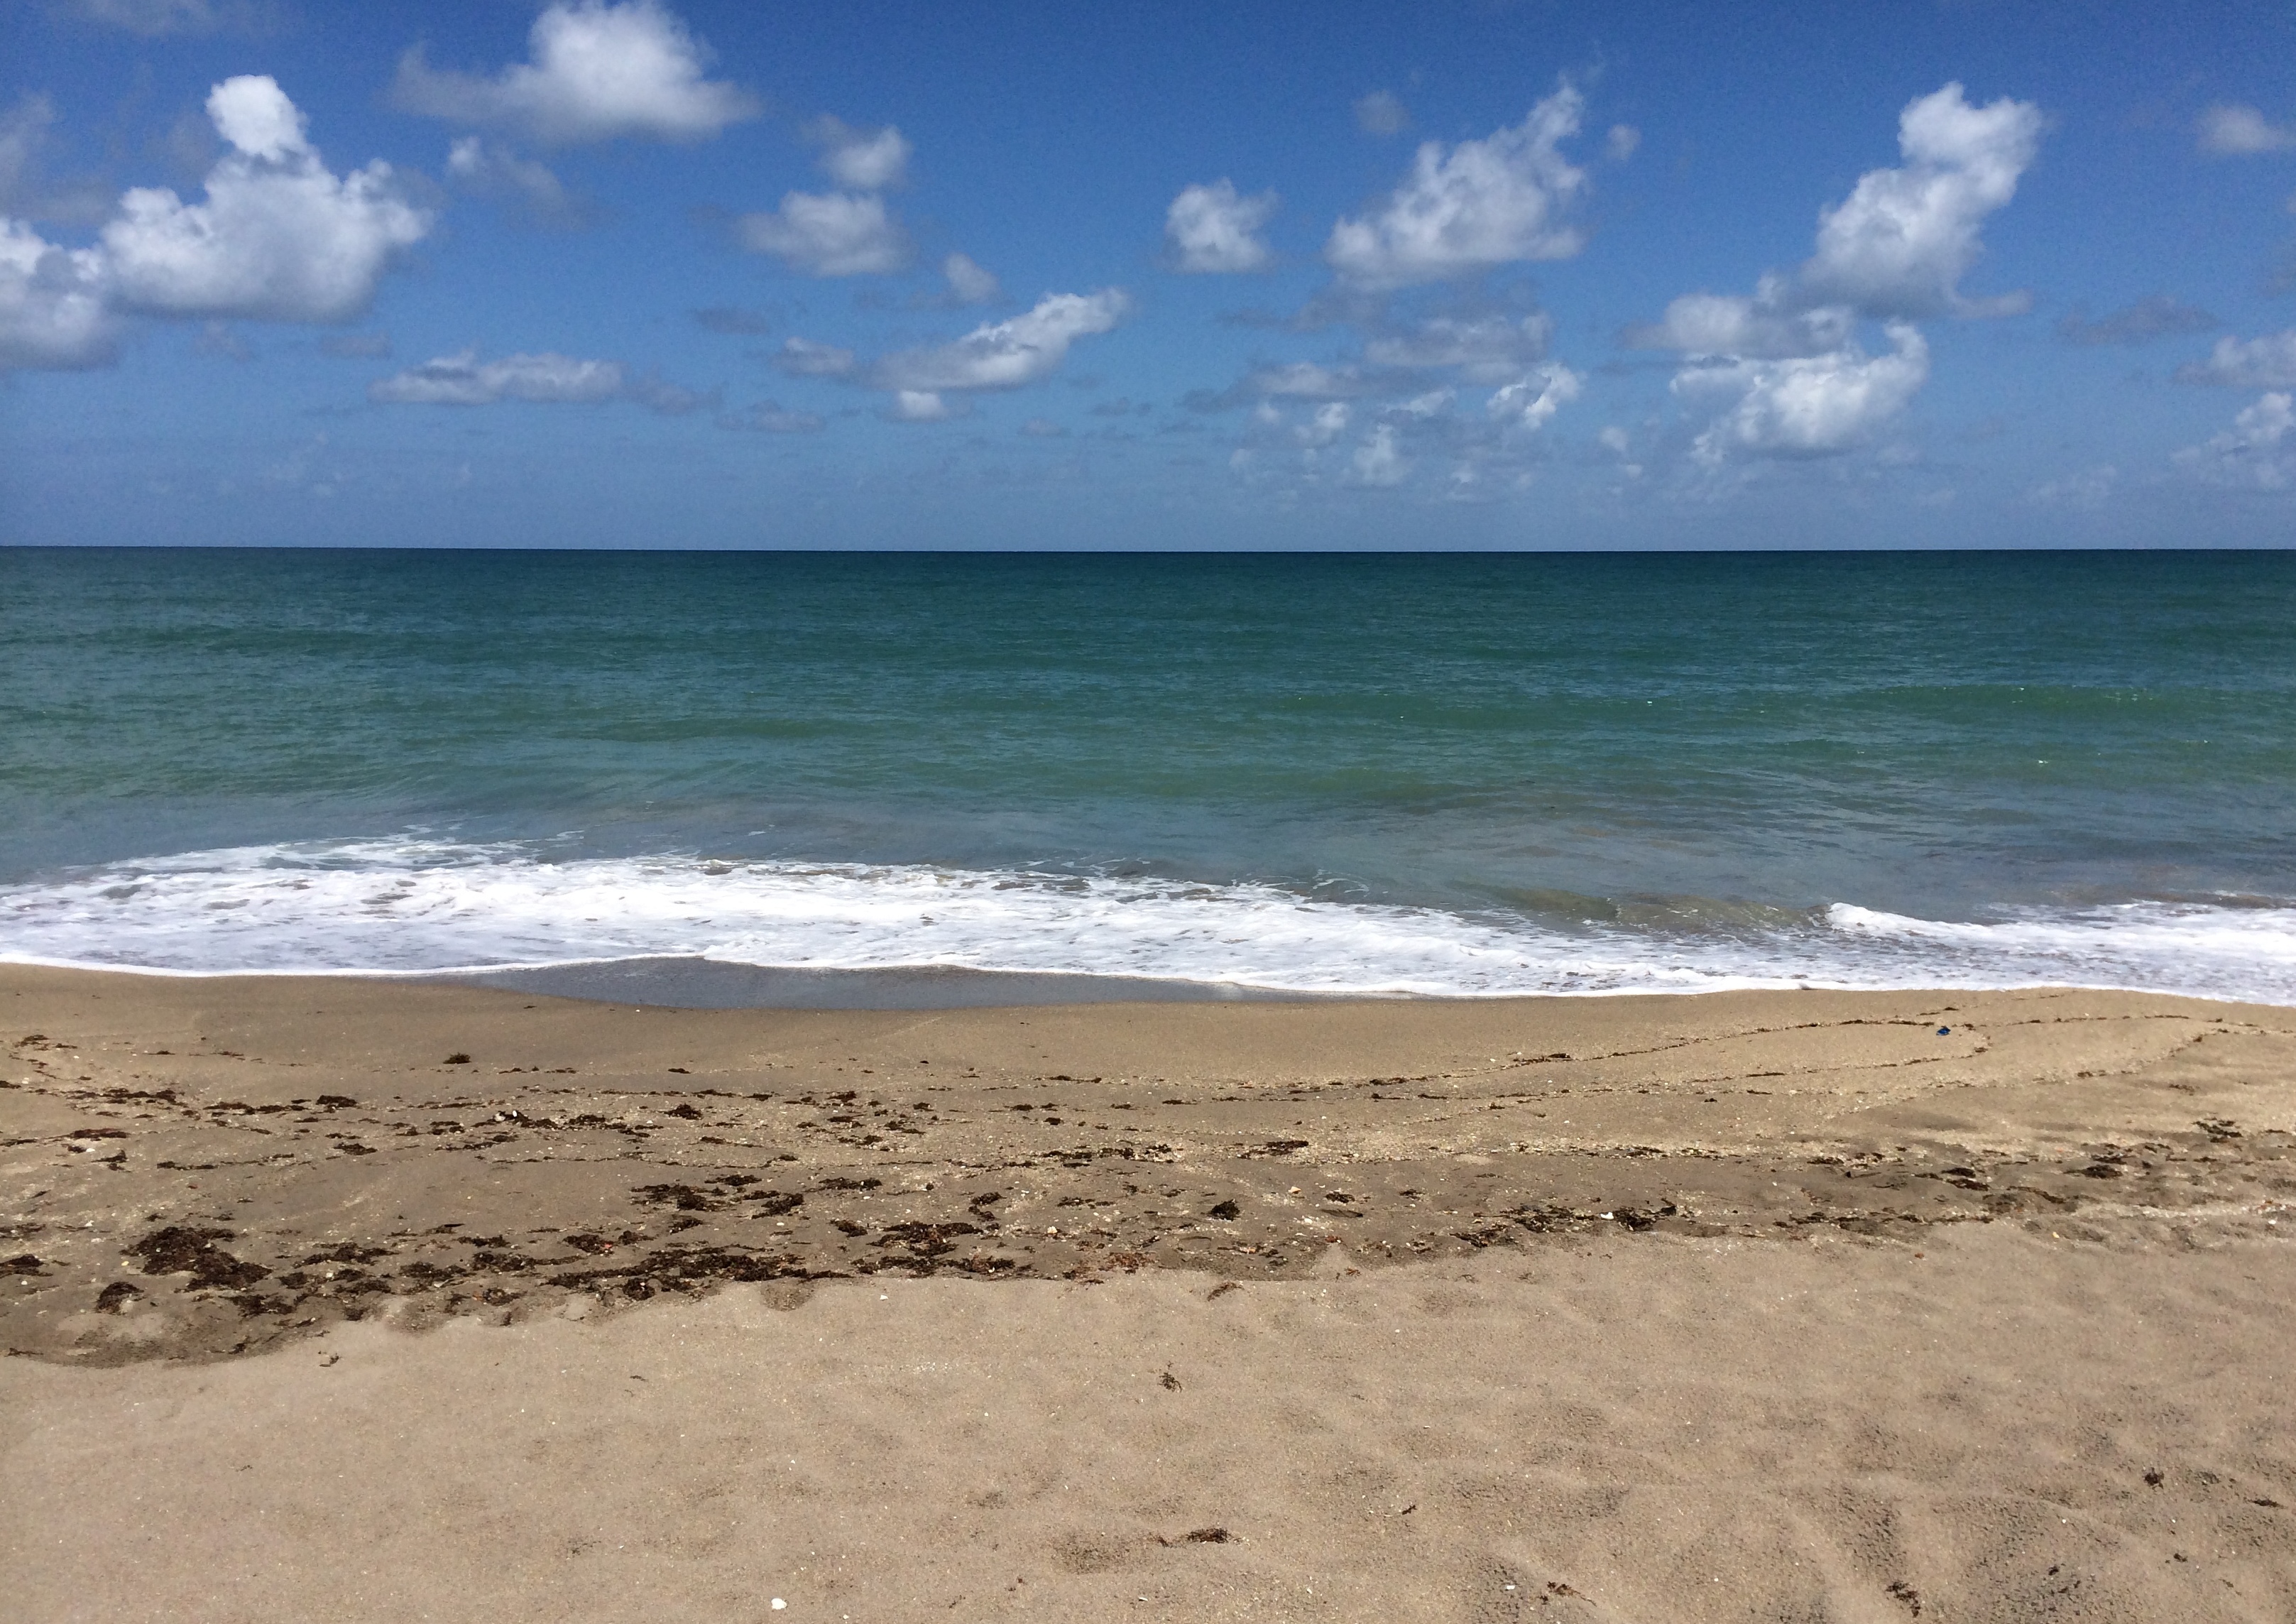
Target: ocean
740,777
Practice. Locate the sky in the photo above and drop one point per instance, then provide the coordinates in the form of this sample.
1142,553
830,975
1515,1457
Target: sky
1456,275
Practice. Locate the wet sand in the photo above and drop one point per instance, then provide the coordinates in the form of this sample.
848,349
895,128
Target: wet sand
387,1301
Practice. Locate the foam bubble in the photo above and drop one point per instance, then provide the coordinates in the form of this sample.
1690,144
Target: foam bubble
411,905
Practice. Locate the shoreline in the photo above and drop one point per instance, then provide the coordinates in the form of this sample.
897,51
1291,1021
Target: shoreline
242,1160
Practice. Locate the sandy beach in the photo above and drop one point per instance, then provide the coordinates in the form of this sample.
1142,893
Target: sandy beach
369,1299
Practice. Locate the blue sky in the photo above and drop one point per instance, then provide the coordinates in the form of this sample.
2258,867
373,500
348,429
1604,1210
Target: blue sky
1452,276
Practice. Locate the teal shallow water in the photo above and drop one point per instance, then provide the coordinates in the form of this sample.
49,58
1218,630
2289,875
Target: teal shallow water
1436,772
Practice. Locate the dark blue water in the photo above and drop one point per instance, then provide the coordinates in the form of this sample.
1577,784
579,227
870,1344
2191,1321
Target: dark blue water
1450,773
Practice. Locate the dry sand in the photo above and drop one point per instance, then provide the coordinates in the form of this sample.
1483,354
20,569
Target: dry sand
1752,1306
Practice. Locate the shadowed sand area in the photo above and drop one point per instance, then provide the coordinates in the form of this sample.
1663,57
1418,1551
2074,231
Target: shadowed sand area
1746,1306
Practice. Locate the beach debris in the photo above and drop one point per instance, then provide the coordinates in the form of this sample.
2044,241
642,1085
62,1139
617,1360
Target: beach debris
1223,1289
182,1249
1225,1211
1901,1591
457,1059
1169,1382
114,1298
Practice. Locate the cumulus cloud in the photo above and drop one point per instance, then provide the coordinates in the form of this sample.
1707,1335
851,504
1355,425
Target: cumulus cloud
860,159
807,358
1532,400
2157,316
1805,406
1468,208
1381,113
464,380
489,170
1899,244
2265,363
1622,143
835,233
1325,424
768,417
2231,130
53,310
278,237
1766,325
968,282
599,71
1781,370
1008,354
1379,461
1214,229
2259,450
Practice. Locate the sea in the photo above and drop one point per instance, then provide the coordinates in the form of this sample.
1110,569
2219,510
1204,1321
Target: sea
929,778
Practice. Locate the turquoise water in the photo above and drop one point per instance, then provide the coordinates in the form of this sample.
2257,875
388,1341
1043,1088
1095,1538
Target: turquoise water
1461,774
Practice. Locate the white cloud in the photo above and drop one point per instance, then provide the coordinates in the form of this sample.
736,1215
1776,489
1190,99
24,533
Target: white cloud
1042,428
278,238
807,358
1488,349
1805,406
968,282
1532,402
1380,113
2231,130
918,406
490,171
835,233
1901,242
52,312
1213,229
1008,354
1378,462
2259,450
860,159
600,72
464,380
1791,381
1766,325
1327,423
1483,204
2265,363
1622,143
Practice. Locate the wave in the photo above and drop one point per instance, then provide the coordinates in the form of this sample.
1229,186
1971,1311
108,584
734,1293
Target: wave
419,906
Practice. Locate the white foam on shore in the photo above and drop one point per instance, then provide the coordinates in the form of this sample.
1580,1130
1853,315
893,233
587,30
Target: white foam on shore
418,906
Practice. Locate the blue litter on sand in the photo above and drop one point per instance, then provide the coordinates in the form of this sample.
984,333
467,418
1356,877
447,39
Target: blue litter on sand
1945,1031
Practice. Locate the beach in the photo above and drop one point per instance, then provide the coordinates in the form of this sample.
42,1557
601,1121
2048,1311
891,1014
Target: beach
397,1301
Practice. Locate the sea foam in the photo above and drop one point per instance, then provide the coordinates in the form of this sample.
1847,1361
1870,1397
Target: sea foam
417,906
